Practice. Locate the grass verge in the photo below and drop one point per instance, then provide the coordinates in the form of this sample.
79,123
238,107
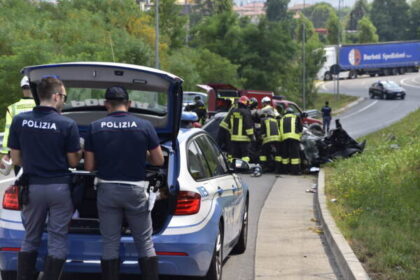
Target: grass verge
378,201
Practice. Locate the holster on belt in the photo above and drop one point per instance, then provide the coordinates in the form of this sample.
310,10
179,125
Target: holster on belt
23,183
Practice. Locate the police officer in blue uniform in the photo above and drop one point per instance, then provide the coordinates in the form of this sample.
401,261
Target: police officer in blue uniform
45,144
118,146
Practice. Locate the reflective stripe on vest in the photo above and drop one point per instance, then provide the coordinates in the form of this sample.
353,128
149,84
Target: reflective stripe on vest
271,131
288,127
23,105
236,126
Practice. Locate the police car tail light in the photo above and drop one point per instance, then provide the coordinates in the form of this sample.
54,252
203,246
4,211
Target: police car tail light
187,203
11,198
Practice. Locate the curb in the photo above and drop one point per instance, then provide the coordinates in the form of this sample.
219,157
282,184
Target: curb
347,262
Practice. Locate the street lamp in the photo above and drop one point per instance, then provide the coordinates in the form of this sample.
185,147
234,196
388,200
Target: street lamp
338,46
303,61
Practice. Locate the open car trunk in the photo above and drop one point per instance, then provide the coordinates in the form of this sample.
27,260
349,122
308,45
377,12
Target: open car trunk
85,219
155,96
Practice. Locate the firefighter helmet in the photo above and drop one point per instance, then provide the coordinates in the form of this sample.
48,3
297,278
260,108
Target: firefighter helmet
244,100
289,110
24,82
266,99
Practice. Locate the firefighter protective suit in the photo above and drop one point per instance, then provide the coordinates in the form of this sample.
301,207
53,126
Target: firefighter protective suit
289,151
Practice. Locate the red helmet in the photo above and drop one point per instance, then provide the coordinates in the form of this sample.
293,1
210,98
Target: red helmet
244,100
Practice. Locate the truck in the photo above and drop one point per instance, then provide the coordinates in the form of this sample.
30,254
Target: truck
376,59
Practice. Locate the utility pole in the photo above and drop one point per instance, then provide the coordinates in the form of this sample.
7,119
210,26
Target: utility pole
157,64
338,46
303,61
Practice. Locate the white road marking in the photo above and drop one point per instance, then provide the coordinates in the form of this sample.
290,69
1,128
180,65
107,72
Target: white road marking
403,82
361,110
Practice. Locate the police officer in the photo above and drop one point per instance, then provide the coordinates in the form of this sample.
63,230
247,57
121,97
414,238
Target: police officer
326,117
291,131
270,136
118,146
241,129
199,108
45,144
26,103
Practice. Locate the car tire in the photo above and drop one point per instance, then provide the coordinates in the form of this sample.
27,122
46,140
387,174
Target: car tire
402,97
328,76
216,265
383,96
240,247
372,74
371,95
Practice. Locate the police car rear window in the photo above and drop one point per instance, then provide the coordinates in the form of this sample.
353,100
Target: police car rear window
145,102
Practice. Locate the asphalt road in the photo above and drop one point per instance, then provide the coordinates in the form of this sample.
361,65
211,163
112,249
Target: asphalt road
374,114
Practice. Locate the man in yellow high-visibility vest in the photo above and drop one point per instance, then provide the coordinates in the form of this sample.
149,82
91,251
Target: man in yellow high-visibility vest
26,103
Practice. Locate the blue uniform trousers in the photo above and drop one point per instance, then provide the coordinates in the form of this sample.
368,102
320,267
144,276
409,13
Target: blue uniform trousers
116,201
52,201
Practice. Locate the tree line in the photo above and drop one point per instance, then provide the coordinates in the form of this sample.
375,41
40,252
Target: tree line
203,42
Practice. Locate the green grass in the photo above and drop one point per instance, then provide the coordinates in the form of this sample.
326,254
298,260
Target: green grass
336,101
378,201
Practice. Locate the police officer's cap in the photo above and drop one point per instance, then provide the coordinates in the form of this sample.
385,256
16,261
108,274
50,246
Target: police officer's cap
116,93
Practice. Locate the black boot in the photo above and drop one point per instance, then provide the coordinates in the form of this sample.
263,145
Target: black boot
110,269
53,268
26,265
149,268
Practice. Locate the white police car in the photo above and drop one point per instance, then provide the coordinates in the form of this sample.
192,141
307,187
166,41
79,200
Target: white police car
202,211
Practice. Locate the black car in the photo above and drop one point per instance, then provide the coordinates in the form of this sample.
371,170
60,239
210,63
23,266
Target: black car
386,90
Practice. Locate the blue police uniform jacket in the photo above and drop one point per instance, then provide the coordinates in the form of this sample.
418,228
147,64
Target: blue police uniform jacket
120,142
44,137
326,111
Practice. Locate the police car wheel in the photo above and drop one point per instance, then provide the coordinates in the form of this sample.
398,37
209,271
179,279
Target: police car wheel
240,247
216,265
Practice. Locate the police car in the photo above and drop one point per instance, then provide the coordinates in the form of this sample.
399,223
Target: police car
201,213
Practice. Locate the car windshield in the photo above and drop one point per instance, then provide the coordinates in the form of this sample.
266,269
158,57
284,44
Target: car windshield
189,98
146,102
391,85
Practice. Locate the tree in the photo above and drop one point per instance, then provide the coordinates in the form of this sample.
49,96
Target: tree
390,18
367,31
171,23
360,9
334,29
276,10
319,14
414,30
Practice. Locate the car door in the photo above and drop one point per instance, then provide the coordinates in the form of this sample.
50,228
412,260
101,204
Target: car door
223,182
237,189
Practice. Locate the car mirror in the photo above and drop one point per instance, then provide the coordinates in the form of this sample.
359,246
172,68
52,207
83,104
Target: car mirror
304,115
239,165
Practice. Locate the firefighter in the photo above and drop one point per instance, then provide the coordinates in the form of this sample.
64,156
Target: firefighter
270,136
223,135
290,131
255,115
199,108
266,106
25,104
241,130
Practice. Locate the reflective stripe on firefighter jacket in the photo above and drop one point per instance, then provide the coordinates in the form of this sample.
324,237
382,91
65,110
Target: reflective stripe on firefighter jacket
23,105
270,131
240,125
290,127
